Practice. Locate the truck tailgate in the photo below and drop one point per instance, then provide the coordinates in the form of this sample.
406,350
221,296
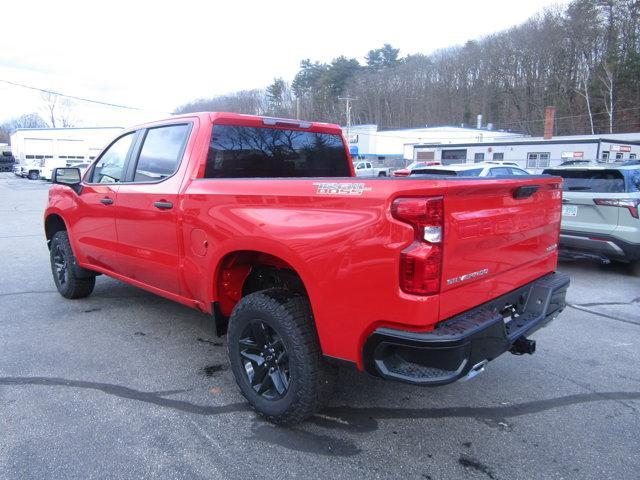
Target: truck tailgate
492,228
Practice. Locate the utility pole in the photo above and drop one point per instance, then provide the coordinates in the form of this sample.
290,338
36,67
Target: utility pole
297,108
348,101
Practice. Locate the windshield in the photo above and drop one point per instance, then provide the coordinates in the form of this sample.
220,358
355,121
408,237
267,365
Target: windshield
601,181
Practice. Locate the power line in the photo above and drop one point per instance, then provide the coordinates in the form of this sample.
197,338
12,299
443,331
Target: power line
81,99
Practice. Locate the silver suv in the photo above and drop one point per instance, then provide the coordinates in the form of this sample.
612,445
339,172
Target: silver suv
600,211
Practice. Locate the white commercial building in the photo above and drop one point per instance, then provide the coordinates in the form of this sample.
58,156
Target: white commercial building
74,145
534,153
396,147
43,149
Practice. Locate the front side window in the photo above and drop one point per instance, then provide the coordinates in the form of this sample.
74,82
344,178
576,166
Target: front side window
257,152
110,167
161,152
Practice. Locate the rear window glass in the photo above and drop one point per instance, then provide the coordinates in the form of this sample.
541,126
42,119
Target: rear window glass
601,181
253,152
451,173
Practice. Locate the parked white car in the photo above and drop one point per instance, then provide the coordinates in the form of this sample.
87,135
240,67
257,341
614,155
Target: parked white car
470,170
366,169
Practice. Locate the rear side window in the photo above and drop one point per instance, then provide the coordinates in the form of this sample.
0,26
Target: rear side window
254,152
599,181
110,167
494,172
161,152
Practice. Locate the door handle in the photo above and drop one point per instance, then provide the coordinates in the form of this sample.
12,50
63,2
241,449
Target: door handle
163,205
106,201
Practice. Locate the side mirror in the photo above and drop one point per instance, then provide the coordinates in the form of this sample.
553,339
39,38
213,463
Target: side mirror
68,176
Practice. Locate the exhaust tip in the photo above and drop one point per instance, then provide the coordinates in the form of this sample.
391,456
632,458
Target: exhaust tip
476,370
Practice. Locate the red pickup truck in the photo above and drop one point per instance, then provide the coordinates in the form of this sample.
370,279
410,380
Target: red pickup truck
261,223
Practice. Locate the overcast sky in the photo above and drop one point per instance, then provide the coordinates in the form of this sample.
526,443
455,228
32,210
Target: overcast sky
156,57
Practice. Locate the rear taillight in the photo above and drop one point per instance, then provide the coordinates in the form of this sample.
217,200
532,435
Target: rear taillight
421,262
630,204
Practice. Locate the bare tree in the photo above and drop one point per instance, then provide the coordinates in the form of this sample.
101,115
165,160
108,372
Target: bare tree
582,88
50,101
606,77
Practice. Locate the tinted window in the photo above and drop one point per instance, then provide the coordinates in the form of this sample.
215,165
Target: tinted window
603,181
498,171
110,167
252,152
517,171
161,152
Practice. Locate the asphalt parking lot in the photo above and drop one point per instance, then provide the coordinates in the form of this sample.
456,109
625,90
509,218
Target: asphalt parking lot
124,384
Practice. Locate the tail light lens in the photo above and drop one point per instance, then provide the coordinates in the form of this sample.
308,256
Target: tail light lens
421,262
629,203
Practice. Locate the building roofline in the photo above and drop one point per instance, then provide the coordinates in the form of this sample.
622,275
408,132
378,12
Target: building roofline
63,128
433,128
507,143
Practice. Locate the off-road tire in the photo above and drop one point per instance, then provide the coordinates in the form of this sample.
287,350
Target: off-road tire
69,284
311,378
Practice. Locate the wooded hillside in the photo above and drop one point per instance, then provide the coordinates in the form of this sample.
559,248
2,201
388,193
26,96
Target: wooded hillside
584,59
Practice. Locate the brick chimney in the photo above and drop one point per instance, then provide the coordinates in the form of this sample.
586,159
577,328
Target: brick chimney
549,121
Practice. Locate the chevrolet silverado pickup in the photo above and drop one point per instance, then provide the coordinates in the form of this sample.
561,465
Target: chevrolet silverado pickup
262,223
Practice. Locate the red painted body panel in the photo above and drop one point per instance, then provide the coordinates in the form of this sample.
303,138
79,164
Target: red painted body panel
345,248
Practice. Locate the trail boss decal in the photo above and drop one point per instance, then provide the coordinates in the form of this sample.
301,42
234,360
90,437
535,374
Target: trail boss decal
330,188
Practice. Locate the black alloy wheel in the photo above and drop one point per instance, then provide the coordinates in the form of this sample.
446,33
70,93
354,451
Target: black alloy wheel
276,358
265,359
71,280
60,265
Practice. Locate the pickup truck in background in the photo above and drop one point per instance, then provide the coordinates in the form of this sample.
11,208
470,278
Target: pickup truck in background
260,223
366,169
